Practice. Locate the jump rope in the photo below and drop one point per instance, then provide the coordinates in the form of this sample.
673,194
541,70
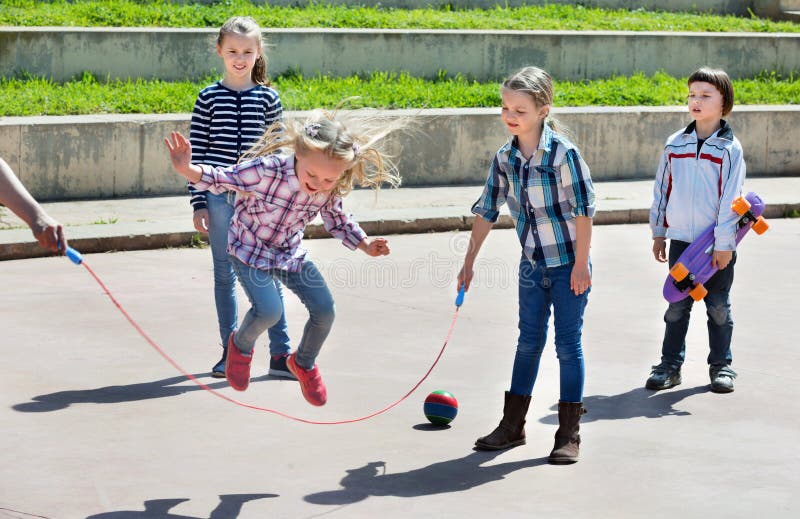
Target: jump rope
77,259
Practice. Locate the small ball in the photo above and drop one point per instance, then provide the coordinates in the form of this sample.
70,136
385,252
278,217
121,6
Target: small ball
441,407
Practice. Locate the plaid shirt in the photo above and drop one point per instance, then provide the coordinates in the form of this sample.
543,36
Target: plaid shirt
544,195
271,212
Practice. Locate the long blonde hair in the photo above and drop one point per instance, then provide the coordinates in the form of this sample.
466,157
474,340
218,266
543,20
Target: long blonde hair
356,137
247,26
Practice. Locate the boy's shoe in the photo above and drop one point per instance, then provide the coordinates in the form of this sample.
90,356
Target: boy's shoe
237,367
663,376
218,371
278,368
310,382
721,378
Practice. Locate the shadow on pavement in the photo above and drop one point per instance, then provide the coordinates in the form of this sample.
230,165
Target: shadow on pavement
229,507
429,427
446,476
114,394
129,393
636,403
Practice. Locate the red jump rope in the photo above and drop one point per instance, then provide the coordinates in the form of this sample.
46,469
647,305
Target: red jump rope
77,258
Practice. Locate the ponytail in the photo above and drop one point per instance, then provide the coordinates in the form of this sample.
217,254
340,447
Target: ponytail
558,127
259,72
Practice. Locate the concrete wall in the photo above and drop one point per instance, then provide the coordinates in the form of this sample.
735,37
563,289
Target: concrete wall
174,54
73,157
737,7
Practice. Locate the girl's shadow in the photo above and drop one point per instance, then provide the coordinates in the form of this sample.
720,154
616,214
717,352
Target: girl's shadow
229,507
447,476
115,394
636,403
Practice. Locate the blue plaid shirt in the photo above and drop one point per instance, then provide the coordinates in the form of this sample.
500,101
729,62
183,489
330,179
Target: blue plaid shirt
544,195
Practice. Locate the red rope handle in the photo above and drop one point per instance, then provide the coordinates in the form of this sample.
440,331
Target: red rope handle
216,393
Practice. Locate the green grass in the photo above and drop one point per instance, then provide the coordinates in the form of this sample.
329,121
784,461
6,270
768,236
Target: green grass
38,96
103,221
162,13
28,96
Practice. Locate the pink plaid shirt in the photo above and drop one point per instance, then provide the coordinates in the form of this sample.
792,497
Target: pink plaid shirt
271,212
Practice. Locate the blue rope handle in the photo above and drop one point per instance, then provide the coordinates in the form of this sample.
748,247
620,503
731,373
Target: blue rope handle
460,297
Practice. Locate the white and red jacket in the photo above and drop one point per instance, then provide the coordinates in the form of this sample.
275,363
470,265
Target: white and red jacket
694,188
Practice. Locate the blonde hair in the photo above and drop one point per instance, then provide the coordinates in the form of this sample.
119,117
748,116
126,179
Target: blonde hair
247,26
357,137
538,84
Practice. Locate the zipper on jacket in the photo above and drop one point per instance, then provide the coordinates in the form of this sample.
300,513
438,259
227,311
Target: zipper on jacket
694,190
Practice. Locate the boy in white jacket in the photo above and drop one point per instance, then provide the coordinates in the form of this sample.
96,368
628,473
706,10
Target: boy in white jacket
701,172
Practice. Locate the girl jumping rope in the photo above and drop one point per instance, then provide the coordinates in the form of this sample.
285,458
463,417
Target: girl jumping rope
542,177
295,172
228,118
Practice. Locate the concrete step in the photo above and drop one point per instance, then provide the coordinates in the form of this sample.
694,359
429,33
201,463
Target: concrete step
791,16
120,156
61,53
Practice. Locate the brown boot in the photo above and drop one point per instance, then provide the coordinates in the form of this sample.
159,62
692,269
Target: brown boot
511,431
568,440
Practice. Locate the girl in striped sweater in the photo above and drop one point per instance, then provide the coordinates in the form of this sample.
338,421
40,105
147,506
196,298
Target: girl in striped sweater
228,119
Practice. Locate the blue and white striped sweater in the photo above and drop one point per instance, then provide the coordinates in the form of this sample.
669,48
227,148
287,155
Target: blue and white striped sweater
226,123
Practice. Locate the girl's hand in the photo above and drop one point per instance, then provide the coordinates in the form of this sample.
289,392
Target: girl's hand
464,278
660,249
721,258
376,247
180,153
581,279
50,234
200,220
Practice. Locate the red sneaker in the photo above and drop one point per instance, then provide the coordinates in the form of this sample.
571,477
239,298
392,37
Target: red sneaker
237,367
310,382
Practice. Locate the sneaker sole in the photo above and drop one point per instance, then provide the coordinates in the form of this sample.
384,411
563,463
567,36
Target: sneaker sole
721,389
659,388
218,374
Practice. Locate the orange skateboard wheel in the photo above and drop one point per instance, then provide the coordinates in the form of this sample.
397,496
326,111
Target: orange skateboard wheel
760,226
740,206
678,271
698,292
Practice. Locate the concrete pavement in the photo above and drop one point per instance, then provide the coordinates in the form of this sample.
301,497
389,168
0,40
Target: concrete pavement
96,424
151,223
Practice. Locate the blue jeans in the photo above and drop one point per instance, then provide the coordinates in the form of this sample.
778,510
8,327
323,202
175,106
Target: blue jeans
718,310
220,213
539,289
261,287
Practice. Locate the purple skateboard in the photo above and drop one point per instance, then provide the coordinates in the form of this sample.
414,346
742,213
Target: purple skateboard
694,268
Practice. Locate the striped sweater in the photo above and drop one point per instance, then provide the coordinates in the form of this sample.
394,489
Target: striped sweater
226,123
